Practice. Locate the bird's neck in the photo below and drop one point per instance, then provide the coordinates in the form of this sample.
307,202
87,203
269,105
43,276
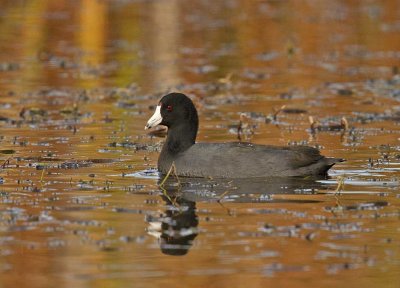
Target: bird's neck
180,138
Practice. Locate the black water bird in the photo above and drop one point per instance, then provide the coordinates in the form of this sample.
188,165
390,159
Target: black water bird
226,160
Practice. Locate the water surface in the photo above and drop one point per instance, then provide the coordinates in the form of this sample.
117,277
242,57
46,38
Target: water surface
80,203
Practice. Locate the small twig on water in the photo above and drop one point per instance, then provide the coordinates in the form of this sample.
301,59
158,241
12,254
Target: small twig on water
244,128
340,185
277,111
172,169
41,177
228,211
339,188
165,193
313,125
226,79
7,162
239,130
223,195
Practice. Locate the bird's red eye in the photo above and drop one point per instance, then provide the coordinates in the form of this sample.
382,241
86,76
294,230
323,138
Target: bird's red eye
169,108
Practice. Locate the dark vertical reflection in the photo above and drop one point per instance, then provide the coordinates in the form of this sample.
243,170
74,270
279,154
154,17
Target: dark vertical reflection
176,228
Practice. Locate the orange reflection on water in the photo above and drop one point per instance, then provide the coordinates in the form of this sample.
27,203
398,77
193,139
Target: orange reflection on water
88,73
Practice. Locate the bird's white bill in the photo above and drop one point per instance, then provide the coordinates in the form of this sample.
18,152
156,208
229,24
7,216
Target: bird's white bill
155,119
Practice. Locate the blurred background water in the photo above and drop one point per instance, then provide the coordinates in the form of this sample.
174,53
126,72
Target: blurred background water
80,202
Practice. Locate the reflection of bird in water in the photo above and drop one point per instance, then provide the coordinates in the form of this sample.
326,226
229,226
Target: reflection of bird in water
252,190
177,227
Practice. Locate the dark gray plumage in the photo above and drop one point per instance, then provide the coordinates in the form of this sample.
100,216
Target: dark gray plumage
226,160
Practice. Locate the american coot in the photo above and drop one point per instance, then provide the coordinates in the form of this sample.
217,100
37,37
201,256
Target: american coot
226,160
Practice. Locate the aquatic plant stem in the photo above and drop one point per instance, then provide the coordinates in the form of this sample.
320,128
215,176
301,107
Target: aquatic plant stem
172,169
165,193
339,189
228,211
3,166
340,185
42,176
223,195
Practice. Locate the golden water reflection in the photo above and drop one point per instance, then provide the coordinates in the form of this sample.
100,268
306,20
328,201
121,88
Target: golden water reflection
77,83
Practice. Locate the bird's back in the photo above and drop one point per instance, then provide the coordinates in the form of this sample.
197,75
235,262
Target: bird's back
245,160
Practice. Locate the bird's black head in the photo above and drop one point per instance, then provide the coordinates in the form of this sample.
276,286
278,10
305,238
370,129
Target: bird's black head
174,109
